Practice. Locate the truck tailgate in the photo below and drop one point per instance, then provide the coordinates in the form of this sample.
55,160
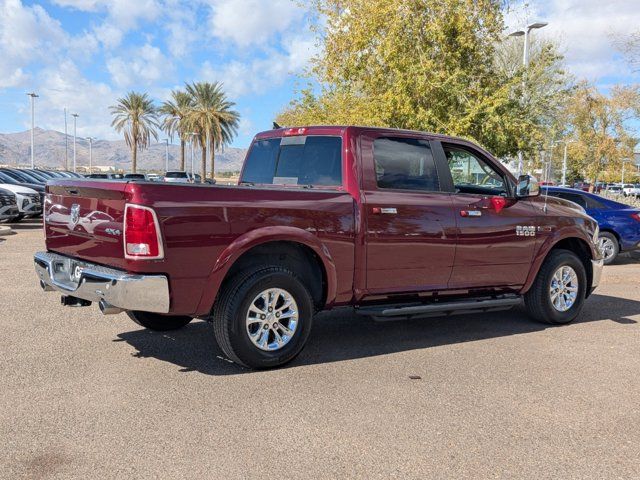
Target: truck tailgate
84,219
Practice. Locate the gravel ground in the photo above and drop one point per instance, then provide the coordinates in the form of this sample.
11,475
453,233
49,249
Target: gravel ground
498,396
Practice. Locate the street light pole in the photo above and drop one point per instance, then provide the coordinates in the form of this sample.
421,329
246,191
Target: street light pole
66,142
564,162
525,62
75,116
91,139
33,125
166,155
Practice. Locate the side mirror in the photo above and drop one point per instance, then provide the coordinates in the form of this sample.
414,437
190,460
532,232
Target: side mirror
527,187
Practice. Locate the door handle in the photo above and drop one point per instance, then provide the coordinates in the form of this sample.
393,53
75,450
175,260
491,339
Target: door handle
384,210
470,213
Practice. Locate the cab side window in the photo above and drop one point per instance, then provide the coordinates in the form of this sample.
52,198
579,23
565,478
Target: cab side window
405,164
471,174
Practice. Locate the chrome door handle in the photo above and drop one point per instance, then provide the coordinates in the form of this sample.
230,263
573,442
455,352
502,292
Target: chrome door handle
384,210
470,213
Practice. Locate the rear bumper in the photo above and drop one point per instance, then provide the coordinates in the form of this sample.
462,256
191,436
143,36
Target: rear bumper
596,267
95,283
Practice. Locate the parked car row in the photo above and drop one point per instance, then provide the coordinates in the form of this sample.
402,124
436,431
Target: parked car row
22,191
172,176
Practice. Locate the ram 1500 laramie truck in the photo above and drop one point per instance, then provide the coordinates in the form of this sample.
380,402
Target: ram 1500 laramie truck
392,223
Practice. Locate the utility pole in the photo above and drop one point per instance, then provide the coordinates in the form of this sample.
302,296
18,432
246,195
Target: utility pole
66,142
33,126
525,62
91,139
166,155
75,117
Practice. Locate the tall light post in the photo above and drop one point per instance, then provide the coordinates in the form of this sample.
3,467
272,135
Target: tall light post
33,96
564,161
525,62
66,142
624,161
75,117
166,155
91,139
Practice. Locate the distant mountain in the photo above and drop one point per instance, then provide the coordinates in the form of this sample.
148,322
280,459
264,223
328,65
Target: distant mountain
15,149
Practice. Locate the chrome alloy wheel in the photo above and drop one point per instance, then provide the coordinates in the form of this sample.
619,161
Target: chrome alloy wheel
607,247
564,288
272,319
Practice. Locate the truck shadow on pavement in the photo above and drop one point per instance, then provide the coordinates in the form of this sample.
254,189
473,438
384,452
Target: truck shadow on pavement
341,335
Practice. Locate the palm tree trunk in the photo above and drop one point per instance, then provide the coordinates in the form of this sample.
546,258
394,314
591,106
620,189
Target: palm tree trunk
212,160
203,163
134,157
182,145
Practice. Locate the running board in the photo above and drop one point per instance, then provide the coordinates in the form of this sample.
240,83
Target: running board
435,309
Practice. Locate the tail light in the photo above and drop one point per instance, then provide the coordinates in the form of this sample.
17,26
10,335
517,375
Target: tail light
636,216
142,240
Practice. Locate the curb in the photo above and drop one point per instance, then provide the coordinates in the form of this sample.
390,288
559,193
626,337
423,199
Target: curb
5,231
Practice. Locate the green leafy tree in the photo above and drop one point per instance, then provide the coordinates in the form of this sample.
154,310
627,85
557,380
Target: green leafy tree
136,116
212,117
174,112
422,64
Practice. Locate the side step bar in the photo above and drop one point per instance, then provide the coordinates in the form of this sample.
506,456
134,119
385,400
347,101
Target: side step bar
434,309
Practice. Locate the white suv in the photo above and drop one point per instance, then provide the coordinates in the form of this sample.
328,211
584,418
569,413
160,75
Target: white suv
28,200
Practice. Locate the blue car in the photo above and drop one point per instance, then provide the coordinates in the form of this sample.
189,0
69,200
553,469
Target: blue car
619,223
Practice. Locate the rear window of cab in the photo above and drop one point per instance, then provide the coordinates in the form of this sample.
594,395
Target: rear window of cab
310,160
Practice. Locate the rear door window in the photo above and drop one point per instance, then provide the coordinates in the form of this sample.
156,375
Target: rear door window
405,164
301,160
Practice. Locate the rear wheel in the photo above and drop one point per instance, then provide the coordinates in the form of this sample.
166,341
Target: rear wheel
155,321
609,246
262,317
558,293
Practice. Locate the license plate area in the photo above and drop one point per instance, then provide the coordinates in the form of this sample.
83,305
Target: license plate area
67,273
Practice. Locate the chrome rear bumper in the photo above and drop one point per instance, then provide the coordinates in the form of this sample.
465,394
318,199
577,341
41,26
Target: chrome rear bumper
95,283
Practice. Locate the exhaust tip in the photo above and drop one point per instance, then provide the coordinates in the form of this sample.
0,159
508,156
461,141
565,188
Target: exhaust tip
108,309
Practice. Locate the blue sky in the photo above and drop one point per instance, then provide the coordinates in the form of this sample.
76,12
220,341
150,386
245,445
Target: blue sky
84,54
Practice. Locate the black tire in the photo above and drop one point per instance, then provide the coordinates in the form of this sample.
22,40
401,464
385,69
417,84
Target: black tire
231,308
17,219
608,260
538,299
155,321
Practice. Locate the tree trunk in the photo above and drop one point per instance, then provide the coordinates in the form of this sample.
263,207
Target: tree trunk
182,146
134,158
212,161
203,164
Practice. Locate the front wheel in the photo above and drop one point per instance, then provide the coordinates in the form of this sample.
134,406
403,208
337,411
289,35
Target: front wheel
262,317
155,321
558,293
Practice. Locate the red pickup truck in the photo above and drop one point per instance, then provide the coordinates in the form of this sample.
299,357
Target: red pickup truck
392,223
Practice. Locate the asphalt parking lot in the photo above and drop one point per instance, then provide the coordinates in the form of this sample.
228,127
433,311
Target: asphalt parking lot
498,396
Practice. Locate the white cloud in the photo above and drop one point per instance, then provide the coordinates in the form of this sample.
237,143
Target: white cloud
252,22
144,65
585,30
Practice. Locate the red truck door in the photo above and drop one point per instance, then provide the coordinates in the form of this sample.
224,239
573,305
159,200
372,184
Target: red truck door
496,233
409,222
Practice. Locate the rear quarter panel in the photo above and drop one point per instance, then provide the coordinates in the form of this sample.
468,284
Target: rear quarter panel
205,229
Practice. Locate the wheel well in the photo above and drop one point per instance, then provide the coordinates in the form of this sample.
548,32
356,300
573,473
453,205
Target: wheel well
582,250
297,257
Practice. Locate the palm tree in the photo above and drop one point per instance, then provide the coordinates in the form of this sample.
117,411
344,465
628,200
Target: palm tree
212,118
135,114
174,111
